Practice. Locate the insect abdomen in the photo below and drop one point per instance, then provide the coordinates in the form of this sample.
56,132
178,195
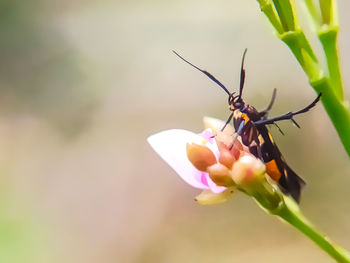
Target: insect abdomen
277,168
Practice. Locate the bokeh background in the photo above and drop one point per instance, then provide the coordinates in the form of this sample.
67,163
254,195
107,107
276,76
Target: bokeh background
84,83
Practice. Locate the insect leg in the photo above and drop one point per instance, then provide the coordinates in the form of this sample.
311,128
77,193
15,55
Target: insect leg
289,115
238,133
278,127
259,149
263,113
227,122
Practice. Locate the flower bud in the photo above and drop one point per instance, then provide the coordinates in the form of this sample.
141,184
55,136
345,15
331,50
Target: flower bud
248,170
226,158
229,153
220,175
249,175
200,156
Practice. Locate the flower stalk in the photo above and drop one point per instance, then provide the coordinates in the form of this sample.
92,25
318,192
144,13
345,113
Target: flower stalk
275,203
325,22
271,199
290,213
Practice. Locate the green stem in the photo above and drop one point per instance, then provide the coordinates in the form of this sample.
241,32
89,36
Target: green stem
314,13
285,12
328,38
274,202
300,46
268,9
331,87
291,213
326,11
338,111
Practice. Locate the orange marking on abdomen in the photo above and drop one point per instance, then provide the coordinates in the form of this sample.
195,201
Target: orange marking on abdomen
272,170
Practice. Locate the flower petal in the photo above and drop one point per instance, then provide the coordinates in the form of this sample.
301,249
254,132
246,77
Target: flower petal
216,125
207,134
210,142
171,146
213,187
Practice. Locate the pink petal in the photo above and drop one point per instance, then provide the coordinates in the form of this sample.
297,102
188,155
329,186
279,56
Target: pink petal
207,135
203,178
171,146
213,187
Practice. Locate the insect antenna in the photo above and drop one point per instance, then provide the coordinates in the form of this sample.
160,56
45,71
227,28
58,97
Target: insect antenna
268,108
205,72
241,83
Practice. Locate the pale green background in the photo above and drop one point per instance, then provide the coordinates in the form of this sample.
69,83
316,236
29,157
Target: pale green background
83,83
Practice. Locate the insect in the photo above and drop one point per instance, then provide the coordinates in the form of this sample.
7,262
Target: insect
251,125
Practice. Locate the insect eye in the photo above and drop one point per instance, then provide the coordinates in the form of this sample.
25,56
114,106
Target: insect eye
238,104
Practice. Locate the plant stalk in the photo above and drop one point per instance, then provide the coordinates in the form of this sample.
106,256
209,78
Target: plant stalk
291,213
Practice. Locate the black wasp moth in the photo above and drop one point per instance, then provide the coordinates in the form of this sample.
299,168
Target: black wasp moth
251,125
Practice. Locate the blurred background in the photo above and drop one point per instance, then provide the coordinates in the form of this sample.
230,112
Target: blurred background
84,83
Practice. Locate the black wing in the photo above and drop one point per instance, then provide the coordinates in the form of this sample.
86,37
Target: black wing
276,167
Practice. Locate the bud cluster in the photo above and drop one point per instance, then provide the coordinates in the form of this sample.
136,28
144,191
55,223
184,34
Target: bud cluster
217,162
234,167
